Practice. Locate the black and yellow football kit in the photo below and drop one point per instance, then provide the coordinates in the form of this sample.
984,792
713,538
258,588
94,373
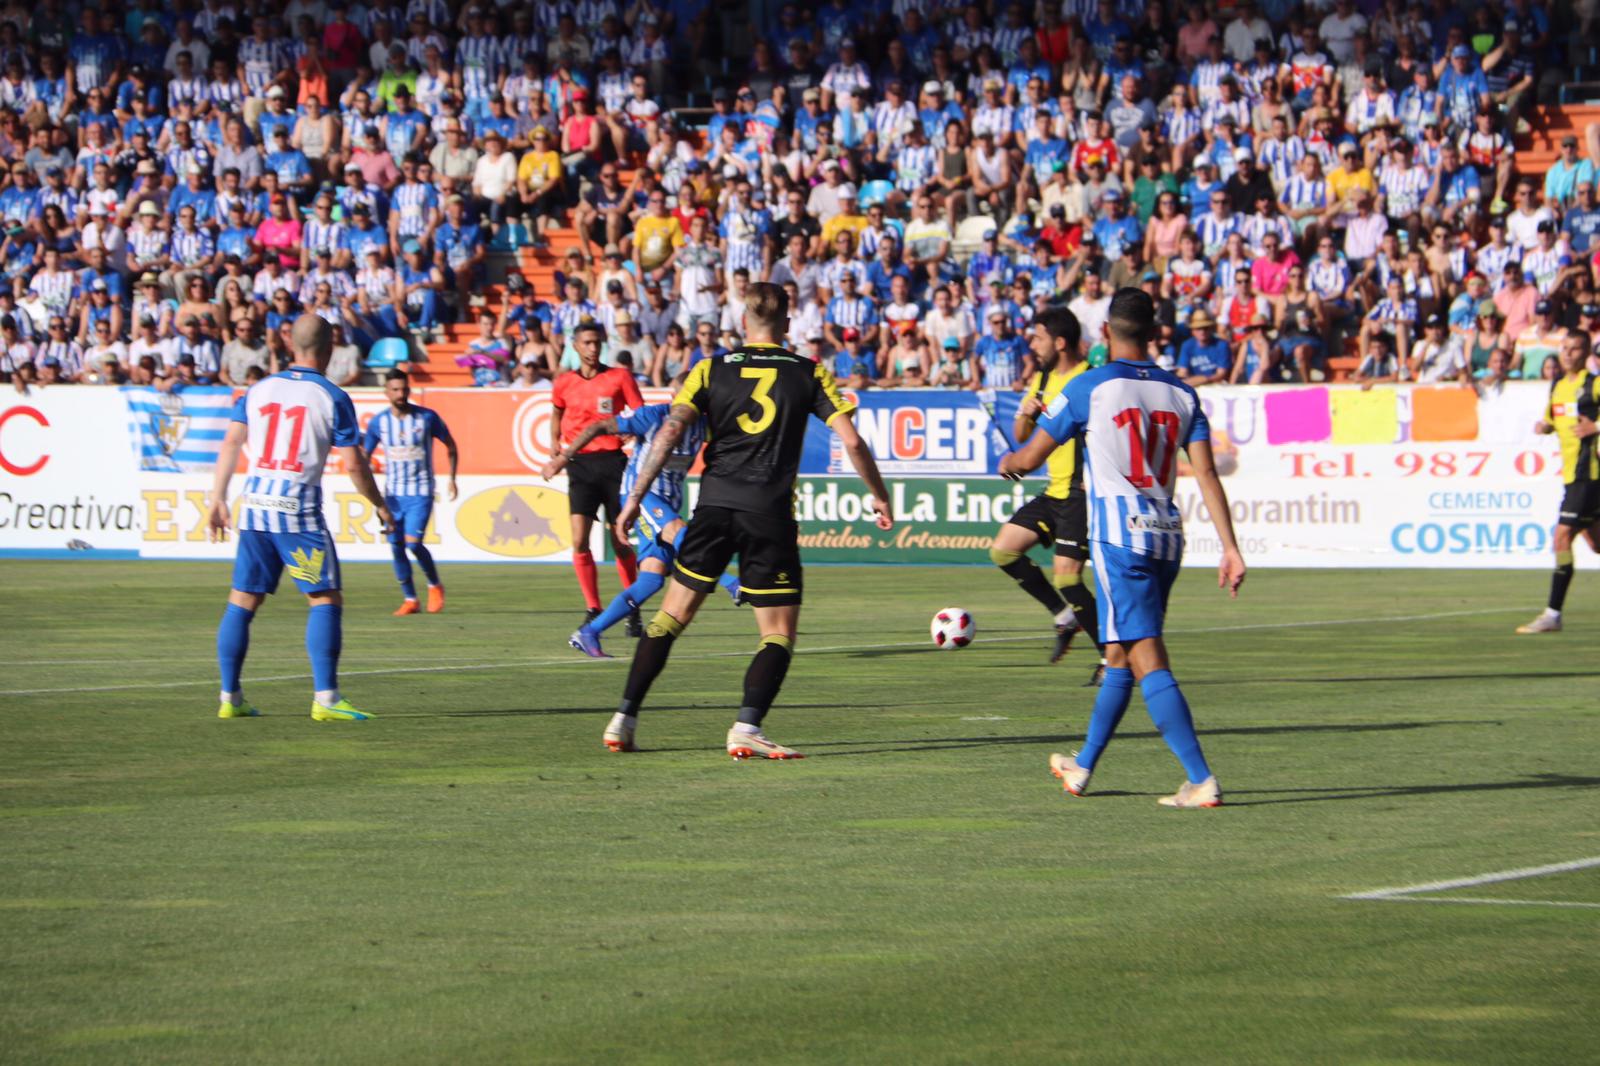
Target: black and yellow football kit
756,402
1575,396
1061,513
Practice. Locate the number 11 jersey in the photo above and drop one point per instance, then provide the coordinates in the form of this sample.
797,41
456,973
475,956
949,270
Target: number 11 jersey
1134,417
294,419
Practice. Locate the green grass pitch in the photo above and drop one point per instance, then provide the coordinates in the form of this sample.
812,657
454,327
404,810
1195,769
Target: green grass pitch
473,878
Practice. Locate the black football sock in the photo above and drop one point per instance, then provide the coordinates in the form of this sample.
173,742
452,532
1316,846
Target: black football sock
649,658
765,677
1027,574
1081,600
1560,580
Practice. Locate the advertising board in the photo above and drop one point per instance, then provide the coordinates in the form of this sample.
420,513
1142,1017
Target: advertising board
1321,477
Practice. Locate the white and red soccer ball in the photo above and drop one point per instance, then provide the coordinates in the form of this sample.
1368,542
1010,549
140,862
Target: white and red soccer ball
953,628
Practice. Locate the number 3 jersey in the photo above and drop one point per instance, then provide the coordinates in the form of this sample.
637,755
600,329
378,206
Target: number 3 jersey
755,403
294,419
1134,418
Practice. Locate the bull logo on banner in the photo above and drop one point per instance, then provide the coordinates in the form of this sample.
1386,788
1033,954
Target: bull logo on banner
519,521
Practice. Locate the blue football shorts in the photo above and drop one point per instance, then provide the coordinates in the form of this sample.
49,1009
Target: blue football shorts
310,558
1133,592
411,514
655,513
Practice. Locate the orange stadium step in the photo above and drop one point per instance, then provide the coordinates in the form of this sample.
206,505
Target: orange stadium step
441,375
1341,367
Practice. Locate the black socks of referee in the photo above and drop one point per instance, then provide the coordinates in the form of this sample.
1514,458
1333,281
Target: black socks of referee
649,658
765,677
1026,573
1560,580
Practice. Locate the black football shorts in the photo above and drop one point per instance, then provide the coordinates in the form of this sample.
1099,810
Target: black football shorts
1061,522
766,545
594,482
1580,505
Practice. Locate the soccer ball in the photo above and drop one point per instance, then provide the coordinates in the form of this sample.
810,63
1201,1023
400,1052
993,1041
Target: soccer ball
953,628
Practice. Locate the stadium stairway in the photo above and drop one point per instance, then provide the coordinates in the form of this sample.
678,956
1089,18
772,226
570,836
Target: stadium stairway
1539,149
540,266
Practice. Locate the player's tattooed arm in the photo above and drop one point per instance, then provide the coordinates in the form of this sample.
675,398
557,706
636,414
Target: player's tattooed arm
1014,466
678,420
563,456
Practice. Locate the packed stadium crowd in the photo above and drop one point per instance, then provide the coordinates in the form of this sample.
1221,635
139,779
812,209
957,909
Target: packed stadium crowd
1290,180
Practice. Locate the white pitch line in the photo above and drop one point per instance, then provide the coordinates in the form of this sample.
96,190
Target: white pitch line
1523,873
1483,901
575,662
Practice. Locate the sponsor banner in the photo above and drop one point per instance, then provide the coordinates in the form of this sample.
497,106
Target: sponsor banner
495,519
1316,477
937,520
1281,423
68,479
920,433
1278,522
1489,523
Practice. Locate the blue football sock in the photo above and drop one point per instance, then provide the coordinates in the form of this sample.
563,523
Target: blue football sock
1116,690
324,636
425,560
729,582
642,589
1170,712
402,570
233,641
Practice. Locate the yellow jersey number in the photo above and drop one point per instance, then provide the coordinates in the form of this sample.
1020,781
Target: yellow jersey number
765,378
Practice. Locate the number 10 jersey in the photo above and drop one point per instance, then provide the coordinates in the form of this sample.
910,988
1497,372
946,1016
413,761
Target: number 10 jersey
294,419
1134,417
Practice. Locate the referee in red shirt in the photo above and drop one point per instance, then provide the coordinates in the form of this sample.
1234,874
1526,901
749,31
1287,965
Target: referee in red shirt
594,476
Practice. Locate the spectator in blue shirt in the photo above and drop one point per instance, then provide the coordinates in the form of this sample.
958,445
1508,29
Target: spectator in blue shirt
1561,181
1104,28
1204,358
289,164
1115,229
1463,90
1004,360
460,248
722,116
854,365
1582,224
887,266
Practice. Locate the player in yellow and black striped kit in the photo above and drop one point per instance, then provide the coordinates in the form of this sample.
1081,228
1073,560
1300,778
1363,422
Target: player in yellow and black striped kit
756,402
1572,414
1059,517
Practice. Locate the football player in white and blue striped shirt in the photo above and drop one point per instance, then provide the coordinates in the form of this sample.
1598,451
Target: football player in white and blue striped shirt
407,432
1134,417
291,422
661,526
